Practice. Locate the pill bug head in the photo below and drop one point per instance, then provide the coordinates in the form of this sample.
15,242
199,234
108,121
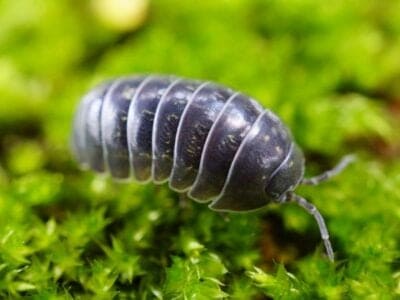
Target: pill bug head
287,176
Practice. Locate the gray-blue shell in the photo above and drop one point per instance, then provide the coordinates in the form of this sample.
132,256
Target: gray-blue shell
207,140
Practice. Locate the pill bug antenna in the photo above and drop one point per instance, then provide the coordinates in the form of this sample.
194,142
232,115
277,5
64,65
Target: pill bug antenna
311,209
344,162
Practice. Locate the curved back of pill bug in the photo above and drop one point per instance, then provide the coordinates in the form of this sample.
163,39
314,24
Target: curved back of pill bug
223,141
261,152
166,121
114,117
92,129
86,135
78,142
197,119
140,124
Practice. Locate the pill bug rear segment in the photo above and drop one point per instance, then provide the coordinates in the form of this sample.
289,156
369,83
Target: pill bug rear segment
211,142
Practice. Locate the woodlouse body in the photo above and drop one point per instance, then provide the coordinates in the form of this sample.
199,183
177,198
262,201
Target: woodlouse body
207,140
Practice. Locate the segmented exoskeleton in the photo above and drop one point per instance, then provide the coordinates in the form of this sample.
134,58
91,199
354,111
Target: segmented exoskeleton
207,140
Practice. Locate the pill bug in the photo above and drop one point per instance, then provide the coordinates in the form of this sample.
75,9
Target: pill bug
207,140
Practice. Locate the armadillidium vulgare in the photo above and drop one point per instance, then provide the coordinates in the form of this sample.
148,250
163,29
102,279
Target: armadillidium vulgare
207,140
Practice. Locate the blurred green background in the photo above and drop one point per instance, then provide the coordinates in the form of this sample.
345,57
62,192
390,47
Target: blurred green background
330,70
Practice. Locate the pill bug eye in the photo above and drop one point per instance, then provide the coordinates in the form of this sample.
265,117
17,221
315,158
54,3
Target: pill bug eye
213,143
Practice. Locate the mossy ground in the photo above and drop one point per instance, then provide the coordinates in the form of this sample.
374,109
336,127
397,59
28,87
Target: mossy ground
331,71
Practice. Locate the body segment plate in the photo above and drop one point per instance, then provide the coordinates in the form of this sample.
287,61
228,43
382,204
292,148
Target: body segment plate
167,118
114,117
92,129
223,141
260,153
140,124
197,119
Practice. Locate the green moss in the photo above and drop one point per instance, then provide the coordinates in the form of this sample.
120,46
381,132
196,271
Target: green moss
330,71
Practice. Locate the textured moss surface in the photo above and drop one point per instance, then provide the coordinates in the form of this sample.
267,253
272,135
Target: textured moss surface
332,72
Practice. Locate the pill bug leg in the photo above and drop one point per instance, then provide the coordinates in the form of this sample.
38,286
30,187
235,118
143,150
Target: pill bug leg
344,162
291,197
